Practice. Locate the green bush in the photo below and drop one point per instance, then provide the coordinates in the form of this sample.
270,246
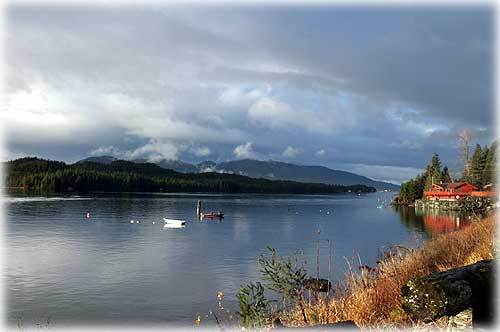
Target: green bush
285,277
253,306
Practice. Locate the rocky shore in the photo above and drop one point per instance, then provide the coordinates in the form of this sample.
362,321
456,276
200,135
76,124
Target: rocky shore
469,204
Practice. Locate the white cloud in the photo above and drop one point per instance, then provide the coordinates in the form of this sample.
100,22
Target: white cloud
67,91
83,114
290,152
40,114
406,144
208,169
320,152
241,96
154,151
106,150
244,151
275,114
201,151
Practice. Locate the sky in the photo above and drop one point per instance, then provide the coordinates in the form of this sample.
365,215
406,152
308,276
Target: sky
371,90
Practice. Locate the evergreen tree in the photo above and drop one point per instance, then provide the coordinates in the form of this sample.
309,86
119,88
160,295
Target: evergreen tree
433,172
436,168
428,179
477,166
490,164
445,175
414,189
482,165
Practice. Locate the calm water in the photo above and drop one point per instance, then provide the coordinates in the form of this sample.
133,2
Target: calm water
72,270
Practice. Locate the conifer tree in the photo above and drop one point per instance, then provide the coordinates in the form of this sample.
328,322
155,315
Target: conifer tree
490,164
433,173
436,168
477,166
445,175
428,178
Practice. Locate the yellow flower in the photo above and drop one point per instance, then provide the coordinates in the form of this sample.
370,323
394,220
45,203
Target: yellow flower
198,320
219,295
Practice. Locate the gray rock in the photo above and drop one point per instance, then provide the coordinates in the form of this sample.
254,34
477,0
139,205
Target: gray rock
450,292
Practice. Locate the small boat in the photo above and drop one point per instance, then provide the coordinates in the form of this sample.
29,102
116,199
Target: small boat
212,215
174,226
174,222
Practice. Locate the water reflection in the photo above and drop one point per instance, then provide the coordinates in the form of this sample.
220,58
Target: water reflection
108,270
433,222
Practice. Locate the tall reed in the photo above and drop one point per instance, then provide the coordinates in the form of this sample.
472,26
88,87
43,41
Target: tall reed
372,298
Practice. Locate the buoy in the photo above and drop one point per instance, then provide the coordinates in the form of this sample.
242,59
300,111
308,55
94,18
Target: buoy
87,215
154,222
131,221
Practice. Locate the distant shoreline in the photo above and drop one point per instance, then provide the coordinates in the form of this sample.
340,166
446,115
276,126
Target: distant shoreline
49,177
73,193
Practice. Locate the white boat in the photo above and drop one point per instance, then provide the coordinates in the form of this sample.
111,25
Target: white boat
174,222
173,226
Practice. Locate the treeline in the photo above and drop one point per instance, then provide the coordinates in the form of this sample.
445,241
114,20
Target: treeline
46,176
478,170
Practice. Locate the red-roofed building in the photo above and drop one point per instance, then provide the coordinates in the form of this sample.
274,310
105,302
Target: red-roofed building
450,191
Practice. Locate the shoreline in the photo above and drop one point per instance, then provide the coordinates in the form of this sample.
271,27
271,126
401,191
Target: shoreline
373,300
186,193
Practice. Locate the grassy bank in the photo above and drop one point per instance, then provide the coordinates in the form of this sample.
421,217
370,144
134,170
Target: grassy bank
372,298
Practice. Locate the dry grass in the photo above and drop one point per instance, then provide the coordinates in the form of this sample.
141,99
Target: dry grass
372,300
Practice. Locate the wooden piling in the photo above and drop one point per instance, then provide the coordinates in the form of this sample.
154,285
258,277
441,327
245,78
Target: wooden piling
198,209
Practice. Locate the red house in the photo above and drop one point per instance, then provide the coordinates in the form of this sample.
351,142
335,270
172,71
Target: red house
450,191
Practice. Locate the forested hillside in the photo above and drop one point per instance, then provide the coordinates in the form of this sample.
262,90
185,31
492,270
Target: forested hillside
46,176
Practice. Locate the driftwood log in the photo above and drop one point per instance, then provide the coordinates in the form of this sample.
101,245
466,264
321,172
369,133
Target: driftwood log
450,292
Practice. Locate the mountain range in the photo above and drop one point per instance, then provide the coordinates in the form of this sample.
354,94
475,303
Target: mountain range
272,170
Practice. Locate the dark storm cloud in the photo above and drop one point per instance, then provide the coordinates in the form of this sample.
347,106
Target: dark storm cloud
367,89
